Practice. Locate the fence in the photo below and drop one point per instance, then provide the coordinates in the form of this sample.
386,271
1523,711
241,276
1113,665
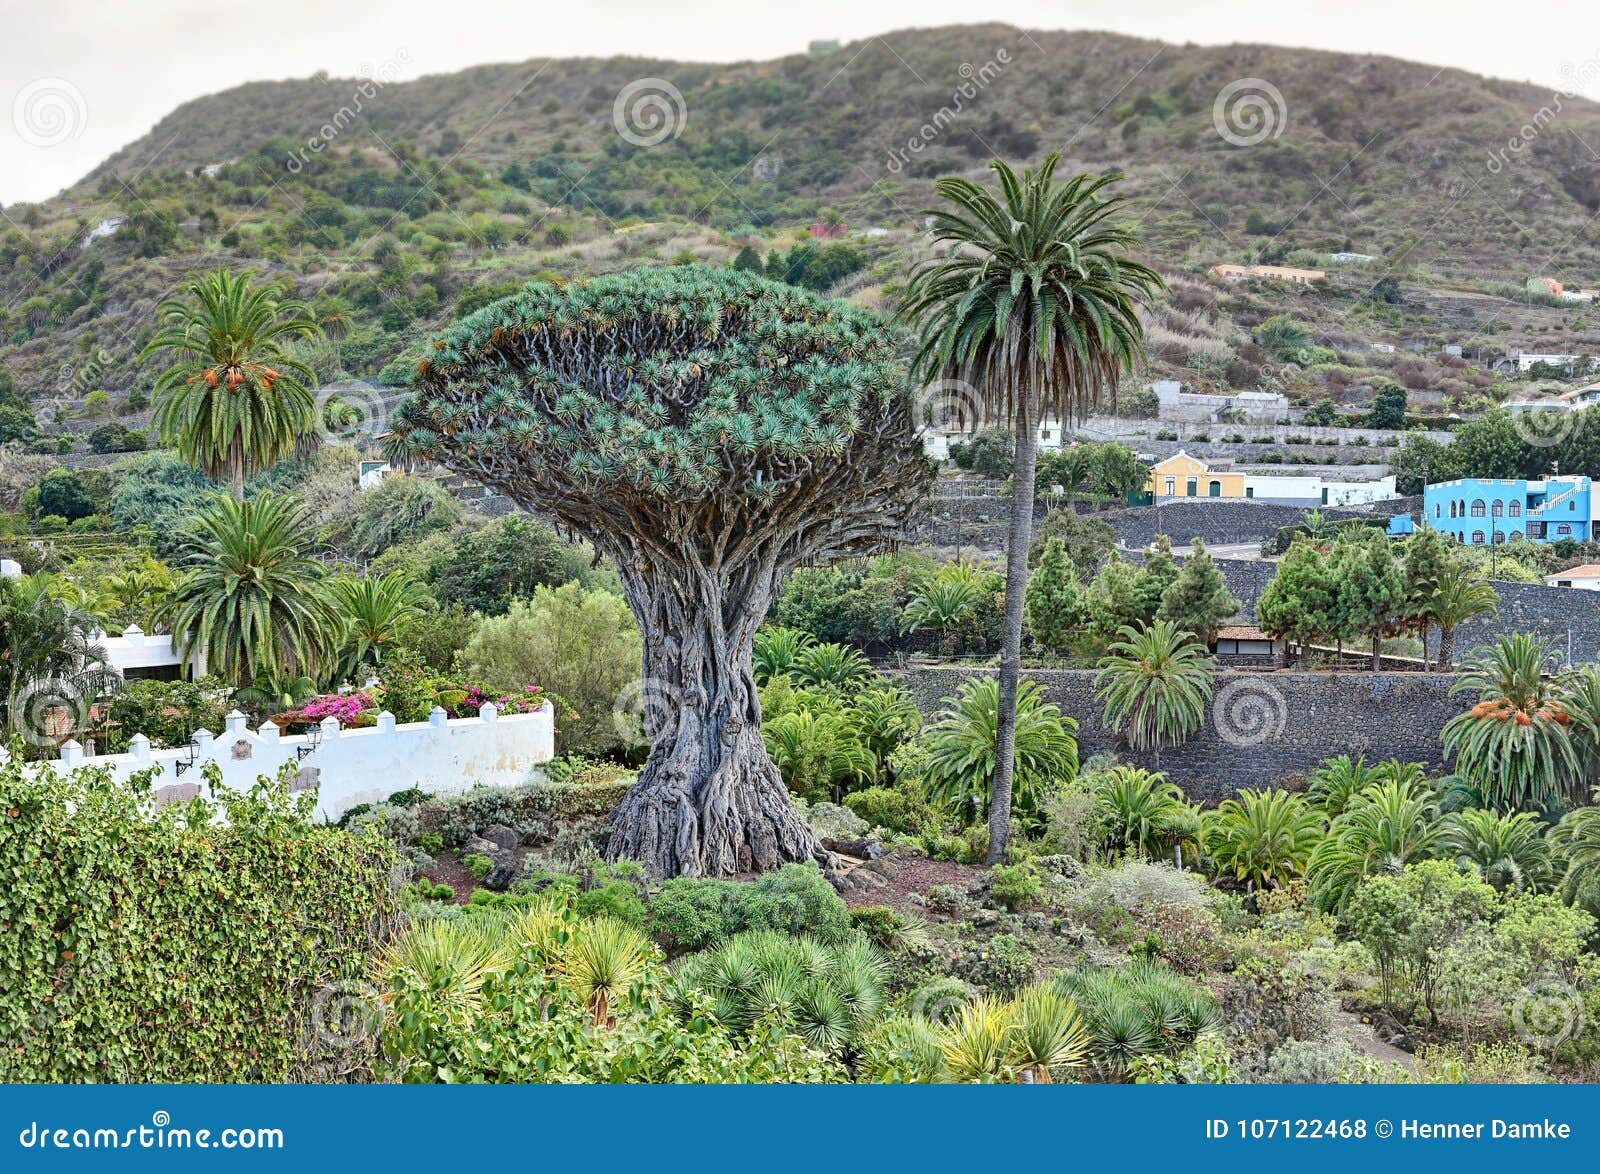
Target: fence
345,767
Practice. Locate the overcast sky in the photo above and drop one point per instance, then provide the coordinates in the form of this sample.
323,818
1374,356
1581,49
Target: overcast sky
80,78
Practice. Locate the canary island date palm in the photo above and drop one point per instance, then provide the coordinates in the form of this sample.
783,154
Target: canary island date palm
235,399
1459,594
375,611
1034,301
1509,852
1264,838
707,430
1155,682
1516,744
252,598
51,666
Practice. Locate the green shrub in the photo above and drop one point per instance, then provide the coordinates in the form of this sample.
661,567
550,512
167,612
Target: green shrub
697,912
477,864
889,808
1004,964
167,944
526,809
1015,885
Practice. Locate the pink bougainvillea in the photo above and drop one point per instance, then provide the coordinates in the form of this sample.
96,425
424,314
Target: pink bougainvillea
352,709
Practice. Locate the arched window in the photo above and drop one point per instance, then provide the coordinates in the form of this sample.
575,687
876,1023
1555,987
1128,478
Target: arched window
1515,509
1477,538
1496,509
1436,509
1452,509
1214,489
1497,537
1477,507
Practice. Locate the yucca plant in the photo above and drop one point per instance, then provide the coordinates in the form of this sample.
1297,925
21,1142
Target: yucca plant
980,1046
903,1049
1509,852
1155,683
1137,1010
602,961
830,995
1264,838
453,957
1049,1033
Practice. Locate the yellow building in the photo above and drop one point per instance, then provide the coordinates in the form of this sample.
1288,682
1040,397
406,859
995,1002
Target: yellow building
1181,475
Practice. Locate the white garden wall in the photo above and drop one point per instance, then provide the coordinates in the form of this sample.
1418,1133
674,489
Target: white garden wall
346,767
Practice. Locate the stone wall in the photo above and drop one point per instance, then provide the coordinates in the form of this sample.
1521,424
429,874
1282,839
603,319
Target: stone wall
1568,619
1222,520
1261,727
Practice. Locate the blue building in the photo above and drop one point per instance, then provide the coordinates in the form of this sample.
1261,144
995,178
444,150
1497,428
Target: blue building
1481,511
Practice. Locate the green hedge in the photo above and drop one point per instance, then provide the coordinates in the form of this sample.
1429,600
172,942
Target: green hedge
203,941
537,806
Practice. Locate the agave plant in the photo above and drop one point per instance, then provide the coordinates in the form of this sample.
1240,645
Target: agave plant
1515,743
777,652
1155,682
1264,838
453,957
1509,852
1389,827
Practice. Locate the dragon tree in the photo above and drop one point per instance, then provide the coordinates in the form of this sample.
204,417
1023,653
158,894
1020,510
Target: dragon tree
707,430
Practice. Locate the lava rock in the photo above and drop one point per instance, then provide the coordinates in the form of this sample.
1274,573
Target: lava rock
501,836
503,869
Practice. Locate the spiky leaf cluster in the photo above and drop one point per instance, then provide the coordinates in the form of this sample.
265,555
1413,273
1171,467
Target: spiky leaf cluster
667,387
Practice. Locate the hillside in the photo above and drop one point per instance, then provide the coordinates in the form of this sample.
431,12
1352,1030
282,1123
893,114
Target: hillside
423,198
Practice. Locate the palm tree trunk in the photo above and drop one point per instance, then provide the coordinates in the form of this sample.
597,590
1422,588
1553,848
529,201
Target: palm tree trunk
1011,645
1447,648
236,481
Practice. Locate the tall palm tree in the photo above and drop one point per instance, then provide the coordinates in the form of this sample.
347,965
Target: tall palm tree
1155,683
375,611
253,599
235,400
1035,302
1460,595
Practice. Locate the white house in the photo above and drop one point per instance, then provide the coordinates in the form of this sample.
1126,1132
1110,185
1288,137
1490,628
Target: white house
1248,407
134,655
1584,578
1312,490
1350,258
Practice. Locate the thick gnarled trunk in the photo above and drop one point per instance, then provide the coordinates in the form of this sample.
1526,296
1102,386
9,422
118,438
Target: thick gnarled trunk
709,801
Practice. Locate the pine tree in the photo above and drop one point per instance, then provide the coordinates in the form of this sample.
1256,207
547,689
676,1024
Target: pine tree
1199,601
1159,573
1112,600
1055,602
1426,559
1300,603
1371,590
